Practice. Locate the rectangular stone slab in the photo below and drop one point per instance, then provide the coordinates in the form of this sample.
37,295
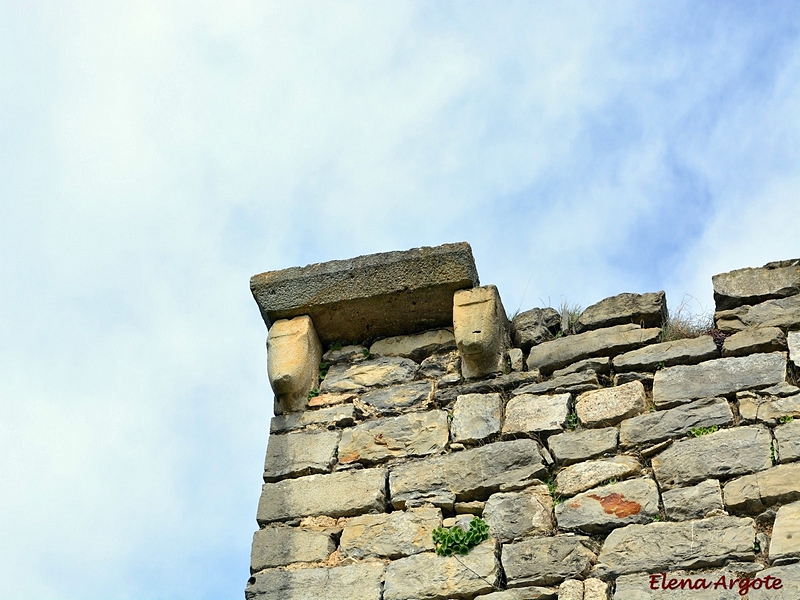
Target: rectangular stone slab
751,286
377,295
352,582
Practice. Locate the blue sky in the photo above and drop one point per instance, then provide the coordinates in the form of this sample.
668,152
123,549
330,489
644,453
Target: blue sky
155,155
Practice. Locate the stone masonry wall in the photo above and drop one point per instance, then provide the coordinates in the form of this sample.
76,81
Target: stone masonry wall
606,462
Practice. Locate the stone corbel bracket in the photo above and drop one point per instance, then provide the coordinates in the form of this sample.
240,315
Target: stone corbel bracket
481,330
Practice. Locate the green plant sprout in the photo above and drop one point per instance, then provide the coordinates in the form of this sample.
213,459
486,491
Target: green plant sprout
785,419
456,540
698,431
313,393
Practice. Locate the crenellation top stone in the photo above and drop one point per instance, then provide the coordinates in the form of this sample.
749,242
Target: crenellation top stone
377,295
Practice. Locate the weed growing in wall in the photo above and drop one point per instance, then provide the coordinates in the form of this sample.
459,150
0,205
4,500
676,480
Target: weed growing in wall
698,431
457,540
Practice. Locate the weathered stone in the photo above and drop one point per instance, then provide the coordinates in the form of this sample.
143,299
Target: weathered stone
571,589
293,355
789,576
574,446
754,340
725,453
534,327
668,354
440,365
645,310
696,586
476,417
788,441
586,475
664,424
785,542
386,294
445,577
343,494
769,410
398,398
555,354
418,346
353,582
574,383
470,508
516,358
534,414
296,454
604,508
350,353
383,371
469,475
486,386
667,546
412,434
595,589
480,326
512,515
526,593
330,400
393,535
335,416
598,365
280,546
793,341
695,502
751,286
780,389
623,378
783,313
546,560
677,385
752,493
609,406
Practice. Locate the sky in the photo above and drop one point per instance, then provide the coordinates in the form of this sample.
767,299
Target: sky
155,155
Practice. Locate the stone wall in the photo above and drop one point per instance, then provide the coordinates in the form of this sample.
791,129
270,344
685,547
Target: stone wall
606,462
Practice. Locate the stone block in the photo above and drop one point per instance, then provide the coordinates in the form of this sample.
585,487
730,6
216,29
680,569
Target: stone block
657,426
725,453
668,354
623,378
378,295
752,286
789,577
513,515
793,341
335,416
293,355
576,446
604,508
752,493
645,310
595,589
678,385
696,502
418,346
349,354
768,410
439,365
536,414
586,475
609,406
324,400
444,577
297,454
559,353
392,535
383,371
281,546
476,417
573,383
342,494
480,326
783,313
534,327
571,589
361,581
396,399
546,560
516,358
468,475
754,340
526,593
787,438
785,543
601,364
668,546
413,434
